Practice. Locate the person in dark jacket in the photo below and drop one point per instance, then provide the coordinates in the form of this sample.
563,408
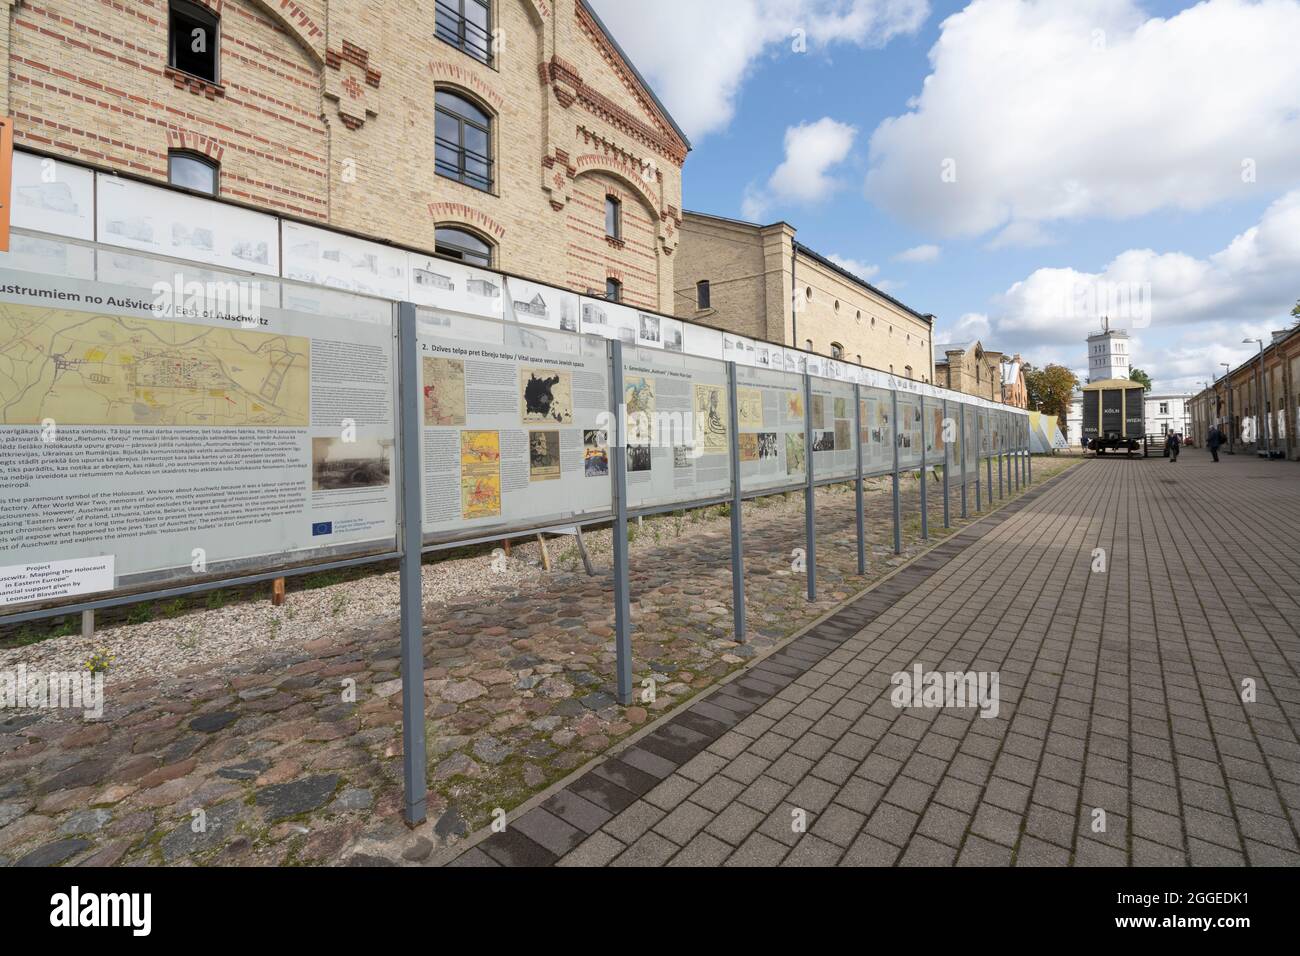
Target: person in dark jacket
1172,443
1214,441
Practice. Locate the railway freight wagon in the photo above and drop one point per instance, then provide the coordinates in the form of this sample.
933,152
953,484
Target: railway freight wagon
1113,416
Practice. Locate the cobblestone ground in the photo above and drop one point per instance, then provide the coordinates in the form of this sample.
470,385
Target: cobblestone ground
1148,708
264,761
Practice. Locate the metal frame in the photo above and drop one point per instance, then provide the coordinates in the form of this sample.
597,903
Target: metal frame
947,468
810,529
964,455
898,508
414,754
737,539
622,587
925,504
857,484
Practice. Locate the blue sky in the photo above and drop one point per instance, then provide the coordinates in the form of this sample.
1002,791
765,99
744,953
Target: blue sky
1103,153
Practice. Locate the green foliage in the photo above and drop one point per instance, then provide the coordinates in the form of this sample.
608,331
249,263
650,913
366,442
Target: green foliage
1138,375
1050,390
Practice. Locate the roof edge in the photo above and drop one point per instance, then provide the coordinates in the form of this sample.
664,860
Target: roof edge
627,61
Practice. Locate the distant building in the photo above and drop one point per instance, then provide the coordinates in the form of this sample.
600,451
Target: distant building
1014,390
1108,354
969,367
757,281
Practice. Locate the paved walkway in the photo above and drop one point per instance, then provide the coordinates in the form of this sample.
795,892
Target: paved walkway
1120,691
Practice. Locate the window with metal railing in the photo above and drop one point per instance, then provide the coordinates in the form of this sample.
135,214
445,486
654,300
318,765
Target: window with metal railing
463,141
466,25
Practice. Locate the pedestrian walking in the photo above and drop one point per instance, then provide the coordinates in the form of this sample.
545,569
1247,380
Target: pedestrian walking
1173,441
1214,441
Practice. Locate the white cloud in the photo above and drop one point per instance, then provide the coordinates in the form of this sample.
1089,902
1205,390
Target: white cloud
1048,111
925,253
811,151
972,325
1191,312
1021,235
858,268
697,55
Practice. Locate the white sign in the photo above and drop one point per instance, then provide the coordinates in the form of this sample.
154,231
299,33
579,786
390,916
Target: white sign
47,580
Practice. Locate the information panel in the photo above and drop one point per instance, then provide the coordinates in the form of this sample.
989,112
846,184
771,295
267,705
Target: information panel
877,432
514,426
171,439
934,431
909,431
970,446
834,445
678,428
771,425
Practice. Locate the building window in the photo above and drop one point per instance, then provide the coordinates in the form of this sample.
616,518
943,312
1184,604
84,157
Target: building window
462,245
837,350
702,294
466,25
807,344
191,171
463,141
907,370
808,293
613,218
613,290
1164,408
859,358
192,40
858,317
837,306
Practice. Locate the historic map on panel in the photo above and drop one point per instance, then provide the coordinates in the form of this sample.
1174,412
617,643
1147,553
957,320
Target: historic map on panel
480,474
80,368
444,391
546,396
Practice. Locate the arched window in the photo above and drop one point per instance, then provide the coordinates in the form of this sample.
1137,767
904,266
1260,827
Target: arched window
907,370
837,350
192,171
463,141
613,290
463,245
808,345
192,34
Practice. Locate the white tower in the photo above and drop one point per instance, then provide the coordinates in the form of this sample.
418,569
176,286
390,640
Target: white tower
1108,354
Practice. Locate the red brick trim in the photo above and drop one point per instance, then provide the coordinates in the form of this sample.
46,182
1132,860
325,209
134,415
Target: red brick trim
195,84
358,57
467,215
195,143
665,138
569,88
467,79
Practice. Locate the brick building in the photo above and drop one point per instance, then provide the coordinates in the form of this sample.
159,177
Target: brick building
742,277
1014,389
1257,404
968,367
508,132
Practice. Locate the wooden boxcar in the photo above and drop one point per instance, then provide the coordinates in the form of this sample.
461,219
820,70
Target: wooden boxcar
1114,416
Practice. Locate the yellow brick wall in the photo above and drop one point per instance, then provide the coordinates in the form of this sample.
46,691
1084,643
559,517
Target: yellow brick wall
749,271
325,111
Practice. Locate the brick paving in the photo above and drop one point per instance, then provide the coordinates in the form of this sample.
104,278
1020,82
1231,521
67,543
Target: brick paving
1120,691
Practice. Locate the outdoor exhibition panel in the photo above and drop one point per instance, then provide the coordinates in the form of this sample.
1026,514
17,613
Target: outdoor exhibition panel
971,442
678,428
834,432
876,431
770,414
909,431
163,435
514,422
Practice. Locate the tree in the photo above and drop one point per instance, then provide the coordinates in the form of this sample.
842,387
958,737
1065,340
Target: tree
1050,390
1137,375
1296,312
